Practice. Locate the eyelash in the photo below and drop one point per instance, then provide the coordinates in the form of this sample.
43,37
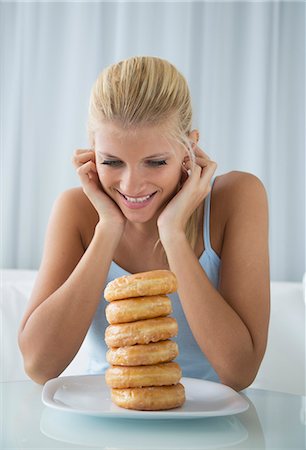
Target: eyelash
117,163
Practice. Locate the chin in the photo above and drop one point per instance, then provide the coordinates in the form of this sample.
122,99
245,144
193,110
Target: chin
139,217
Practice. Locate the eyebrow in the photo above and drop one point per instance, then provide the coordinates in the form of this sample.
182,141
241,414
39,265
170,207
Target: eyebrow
156,155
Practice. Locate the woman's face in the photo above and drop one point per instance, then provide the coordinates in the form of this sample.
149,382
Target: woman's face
140,170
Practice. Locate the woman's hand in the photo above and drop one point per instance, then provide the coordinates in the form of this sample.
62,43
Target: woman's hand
85,163
196,185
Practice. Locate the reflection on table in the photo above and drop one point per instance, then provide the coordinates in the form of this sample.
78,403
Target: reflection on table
273,420
126,434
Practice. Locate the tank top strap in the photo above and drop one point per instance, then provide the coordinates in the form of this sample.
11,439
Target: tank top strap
206,231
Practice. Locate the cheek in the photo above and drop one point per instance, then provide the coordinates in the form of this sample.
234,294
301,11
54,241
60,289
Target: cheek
105,178
169,181
173,177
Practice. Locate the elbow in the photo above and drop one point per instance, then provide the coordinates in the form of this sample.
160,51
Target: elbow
36,370
34,366
237,377
238,383
240,370
36,374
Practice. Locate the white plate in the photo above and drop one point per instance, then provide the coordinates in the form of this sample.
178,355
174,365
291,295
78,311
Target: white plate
90,395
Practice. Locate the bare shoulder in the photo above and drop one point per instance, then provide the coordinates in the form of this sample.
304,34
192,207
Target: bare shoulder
71,217
239,191
76,201
79,209
239,184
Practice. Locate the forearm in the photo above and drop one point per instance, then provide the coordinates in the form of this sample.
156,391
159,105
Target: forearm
217,328
55,330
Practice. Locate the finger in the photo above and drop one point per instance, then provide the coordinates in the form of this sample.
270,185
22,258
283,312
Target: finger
202,162
201,172
84,157
79,151
87,167
207,173
193,169
199,158
198,152
87,171
81,158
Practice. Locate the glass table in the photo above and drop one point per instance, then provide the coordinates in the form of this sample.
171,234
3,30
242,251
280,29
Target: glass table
274,420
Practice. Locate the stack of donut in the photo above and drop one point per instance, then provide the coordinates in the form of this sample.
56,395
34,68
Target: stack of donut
142,375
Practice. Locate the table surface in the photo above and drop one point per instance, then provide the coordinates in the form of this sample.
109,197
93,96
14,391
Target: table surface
274,420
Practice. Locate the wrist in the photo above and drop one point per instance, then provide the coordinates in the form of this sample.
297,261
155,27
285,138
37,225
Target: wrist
171,236
109,229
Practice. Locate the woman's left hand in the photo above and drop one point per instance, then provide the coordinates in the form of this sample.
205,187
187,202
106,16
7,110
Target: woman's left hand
196,186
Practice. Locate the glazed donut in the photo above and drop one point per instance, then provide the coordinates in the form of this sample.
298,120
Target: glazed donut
150,398
154,282
138,308
141,332
139,376
143,355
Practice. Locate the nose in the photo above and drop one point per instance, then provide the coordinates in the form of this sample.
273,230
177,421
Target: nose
131,182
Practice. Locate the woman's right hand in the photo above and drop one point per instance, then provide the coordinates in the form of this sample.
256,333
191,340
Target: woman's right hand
85,163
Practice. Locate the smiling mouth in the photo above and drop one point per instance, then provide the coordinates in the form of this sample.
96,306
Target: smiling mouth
137,199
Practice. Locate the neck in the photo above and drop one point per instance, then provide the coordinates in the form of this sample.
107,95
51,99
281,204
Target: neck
146,236
146,230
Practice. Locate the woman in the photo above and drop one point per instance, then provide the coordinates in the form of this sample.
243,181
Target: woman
147,193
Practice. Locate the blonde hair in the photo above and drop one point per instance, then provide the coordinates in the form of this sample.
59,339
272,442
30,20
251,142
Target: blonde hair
145,91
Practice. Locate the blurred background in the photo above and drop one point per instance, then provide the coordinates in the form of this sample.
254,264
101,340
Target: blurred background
245,64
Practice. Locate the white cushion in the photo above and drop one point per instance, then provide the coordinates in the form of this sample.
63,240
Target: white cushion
283,366
16,287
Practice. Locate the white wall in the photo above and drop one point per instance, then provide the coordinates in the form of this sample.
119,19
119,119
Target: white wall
245,62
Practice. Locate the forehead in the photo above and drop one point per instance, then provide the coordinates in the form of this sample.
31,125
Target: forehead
114,139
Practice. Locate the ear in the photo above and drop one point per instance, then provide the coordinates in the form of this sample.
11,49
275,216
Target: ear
184,176
194,136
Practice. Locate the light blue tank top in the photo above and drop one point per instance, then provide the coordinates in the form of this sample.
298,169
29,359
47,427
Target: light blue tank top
193,362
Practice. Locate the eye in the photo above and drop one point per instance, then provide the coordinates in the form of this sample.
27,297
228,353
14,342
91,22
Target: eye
157,163
112,162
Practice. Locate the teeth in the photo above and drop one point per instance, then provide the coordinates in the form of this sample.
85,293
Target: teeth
137,200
